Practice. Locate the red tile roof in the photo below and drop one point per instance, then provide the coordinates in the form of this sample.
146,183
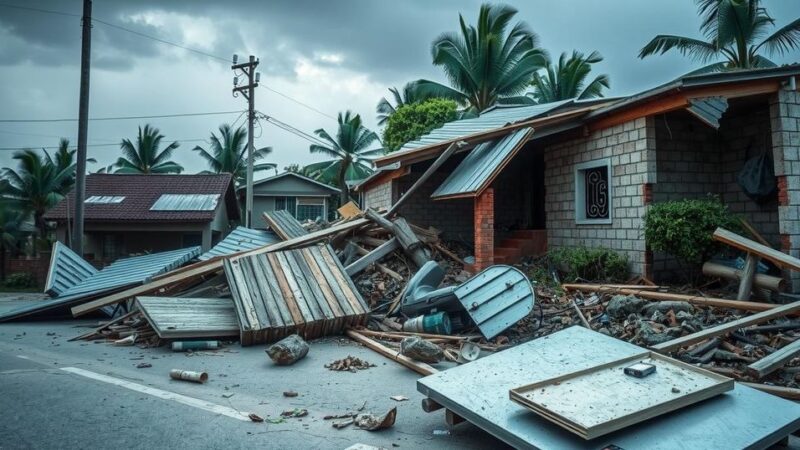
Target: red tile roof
141,191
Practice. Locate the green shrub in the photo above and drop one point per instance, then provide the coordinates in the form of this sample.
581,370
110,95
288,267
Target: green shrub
684,228
411,121
20,280
591,264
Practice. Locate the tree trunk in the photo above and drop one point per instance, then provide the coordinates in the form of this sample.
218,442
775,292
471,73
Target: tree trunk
344,196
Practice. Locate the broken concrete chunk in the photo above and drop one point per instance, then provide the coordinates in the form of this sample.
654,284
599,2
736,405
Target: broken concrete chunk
371,422
421,350
288,350
665,306
622,305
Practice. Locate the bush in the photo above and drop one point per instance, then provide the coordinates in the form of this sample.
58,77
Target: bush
684,228
411,121
591,264
20,280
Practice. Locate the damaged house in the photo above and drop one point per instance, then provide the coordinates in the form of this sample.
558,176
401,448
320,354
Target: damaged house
582,173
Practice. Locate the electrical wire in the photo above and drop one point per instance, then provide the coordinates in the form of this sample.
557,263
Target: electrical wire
47,147
286,127
297,101
98,119
47,11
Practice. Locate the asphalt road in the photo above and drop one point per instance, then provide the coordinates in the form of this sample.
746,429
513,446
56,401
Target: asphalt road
51,397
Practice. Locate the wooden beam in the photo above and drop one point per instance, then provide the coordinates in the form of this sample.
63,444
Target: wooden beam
693,299
416,366
725,328
761,280
425,175
753,232
775,361
373,256
742,243
746,280
660,106
452,418
412,246
780,391
429,405
97,330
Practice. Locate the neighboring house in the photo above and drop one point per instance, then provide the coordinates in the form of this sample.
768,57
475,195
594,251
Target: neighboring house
583,173
132,214
304,198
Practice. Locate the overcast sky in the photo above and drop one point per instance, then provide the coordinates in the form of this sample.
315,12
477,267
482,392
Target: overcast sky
330,55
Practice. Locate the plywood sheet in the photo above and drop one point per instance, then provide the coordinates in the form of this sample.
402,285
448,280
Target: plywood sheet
599,400
186,317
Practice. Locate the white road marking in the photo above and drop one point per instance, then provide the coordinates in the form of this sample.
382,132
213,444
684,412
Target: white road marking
166,395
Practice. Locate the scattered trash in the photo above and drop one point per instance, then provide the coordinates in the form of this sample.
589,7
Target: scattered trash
441,432
342,424
371,422
183,346
255,417
143,365
297,412
290,394
399,398
227,395
187,375
421,350
350,364
288,350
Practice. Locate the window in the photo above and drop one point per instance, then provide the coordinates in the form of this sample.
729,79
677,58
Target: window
310,208
112,246
105,199
593,192
285,203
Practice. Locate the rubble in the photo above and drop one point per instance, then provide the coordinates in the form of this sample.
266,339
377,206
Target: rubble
288,350
349,364
421,350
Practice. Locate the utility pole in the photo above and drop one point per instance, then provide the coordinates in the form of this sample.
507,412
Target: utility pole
83,126
248,91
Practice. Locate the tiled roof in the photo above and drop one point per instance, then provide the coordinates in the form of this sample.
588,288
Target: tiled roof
141,192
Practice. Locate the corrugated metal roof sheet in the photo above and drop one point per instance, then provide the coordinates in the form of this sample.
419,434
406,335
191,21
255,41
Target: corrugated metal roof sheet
284,224
186,202
708,109
496,298
122,273
240,239
479,167
496,117
66,270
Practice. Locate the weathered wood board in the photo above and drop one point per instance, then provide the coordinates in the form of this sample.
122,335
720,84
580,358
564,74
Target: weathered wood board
599,400
186,317
304,291
284,224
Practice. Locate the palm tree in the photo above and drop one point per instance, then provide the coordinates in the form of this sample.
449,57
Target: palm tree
64,159
145,157
349,150
409,95
567,79
11,219
37,185
229,154
732,30
484,64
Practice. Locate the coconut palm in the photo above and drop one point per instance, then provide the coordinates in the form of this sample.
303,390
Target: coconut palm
484,64
567,79
64,159
228,154
12,218
37,184
409,95
349,150
733,30
145,156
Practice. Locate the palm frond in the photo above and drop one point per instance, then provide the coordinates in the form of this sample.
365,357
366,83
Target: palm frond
694,48
784,40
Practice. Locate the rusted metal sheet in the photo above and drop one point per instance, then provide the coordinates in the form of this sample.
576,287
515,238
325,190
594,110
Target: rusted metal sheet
304,291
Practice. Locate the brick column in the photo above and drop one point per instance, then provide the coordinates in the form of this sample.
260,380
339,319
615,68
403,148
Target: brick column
484,229
784,114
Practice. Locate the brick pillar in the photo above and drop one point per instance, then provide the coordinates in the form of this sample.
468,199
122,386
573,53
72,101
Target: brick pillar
484,229
647,264
785,127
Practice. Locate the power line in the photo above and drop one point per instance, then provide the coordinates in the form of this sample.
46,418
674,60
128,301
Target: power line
49,147
286,127
47,11
97,119
298,102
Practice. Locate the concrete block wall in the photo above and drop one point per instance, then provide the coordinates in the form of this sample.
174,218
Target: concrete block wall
631,148
379,196
784,111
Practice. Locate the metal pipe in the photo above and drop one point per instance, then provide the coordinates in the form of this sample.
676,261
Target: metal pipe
188,375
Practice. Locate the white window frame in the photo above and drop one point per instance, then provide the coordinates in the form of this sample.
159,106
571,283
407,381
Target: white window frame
312,201
580,192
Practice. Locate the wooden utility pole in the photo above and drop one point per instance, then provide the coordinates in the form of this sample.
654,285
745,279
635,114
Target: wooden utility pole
83,127
248,91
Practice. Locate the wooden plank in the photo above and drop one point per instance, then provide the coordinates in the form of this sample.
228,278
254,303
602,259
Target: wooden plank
104,326
373,256
315,236
753,232
416,366
246,308
348,288
734,240
774,361
321,283
780,391
249,267
183,317
271,294
425,175
298,308
725,328
331,282
649,295
349,210
284,224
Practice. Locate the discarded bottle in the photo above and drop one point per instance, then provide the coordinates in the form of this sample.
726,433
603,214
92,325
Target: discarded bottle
438,323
